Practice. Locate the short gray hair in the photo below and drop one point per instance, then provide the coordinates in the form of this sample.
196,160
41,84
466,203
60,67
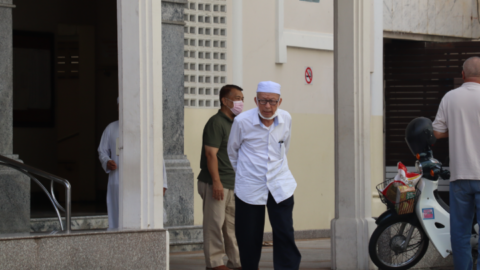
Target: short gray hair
471,67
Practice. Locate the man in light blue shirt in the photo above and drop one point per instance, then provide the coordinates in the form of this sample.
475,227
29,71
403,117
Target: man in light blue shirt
257,148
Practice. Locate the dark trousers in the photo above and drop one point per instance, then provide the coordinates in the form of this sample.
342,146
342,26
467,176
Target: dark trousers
249,224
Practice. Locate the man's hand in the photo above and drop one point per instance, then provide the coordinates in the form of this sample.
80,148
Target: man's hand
217,190
111,165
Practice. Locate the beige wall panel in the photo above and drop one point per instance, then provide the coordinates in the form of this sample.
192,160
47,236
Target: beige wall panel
195,120
259,65
307,16
377,164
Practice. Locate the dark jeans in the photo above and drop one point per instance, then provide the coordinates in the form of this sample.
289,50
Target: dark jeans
249,224
464,198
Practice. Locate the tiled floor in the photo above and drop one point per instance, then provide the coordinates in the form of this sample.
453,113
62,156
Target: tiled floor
315,255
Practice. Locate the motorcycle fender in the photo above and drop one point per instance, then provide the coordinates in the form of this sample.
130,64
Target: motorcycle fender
392,214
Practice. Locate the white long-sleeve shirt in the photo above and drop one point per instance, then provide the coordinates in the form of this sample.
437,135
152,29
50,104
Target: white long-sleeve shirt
259,157
107,150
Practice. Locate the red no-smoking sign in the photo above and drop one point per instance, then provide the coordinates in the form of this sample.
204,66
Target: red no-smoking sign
308,75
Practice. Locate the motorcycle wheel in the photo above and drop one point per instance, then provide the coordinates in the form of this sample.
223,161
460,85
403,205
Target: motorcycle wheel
386,246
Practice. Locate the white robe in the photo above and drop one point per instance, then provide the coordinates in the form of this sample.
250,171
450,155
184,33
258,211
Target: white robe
107,150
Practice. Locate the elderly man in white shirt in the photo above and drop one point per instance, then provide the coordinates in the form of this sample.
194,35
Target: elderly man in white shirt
458,119
257,148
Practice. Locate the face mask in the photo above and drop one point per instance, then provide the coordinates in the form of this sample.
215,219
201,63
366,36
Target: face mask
268,118
237,107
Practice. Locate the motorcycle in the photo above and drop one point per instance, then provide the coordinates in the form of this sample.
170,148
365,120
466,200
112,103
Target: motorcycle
401,240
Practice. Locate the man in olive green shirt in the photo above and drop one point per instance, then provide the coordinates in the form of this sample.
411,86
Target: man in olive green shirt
216,182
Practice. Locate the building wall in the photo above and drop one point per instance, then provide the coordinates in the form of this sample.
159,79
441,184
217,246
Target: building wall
453,18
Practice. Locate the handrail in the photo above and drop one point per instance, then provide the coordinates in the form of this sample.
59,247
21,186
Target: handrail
29,171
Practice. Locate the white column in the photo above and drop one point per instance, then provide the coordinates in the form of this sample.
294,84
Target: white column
140,90
353,224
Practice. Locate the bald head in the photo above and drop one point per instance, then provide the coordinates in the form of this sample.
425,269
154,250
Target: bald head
471,67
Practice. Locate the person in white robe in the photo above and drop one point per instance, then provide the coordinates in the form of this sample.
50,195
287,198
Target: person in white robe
109,158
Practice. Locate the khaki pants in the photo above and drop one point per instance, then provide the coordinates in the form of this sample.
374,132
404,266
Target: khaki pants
219,227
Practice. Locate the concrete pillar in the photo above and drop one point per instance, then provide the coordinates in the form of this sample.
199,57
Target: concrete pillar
141,113
179,198
353,224
6,78
14,187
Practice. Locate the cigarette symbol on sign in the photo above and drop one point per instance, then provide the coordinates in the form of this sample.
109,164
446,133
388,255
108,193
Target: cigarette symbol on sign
308,75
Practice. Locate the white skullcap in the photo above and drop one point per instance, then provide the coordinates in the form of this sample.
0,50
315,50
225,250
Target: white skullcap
268,87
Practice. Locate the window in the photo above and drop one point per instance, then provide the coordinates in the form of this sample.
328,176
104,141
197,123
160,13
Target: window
200,31
200,91
215,67
192,54
192,30
192,91
192,18
200,6
185,65
192,66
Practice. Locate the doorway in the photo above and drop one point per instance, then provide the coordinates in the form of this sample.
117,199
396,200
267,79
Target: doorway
65,94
